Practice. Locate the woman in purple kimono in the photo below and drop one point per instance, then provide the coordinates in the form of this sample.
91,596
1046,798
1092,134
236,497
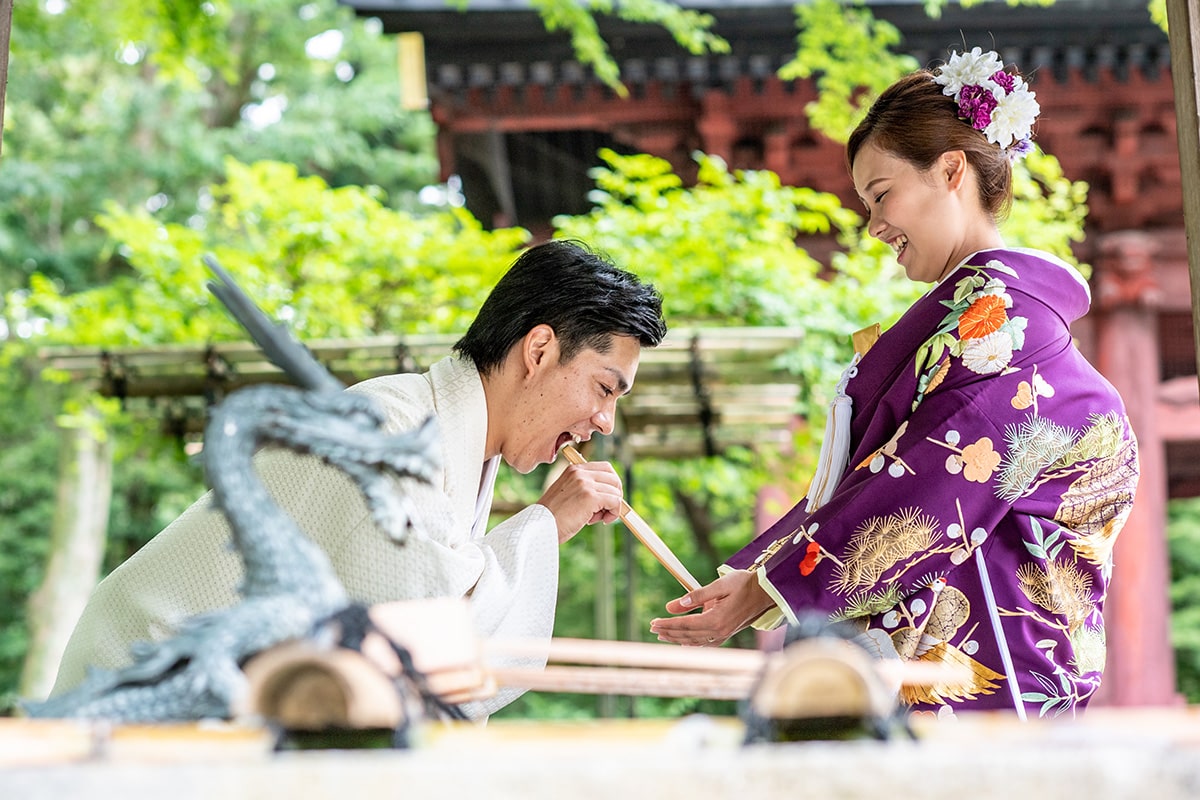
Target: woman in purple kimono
976,469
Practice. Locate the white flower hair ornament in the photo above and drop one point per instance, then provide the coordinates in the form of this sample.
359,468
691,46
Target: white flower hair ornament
990,100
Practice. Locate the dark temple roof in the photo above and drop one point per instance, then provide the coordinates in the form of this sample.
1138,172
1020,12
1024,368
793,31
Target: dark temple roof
504,41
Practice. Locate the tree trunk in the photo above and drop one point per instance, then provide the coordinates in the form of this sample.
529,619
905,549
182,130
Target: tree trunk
5,32
77,541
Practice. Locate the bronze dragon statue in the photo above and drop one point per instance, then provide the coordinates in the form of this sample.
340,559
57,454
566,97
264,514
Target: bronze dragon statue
290,589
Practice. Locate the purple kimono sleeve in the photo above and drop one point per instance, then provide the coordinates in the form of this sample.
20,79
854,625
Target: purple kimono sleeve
901,521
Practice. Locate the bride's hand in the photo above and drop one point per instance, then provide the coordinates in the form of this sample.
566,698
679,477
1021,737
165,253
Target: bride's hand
729,604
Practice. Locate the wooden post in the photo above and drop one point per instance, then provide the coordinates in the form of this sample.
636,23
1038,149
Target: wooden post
1141,665
1183,17
6,7
77,540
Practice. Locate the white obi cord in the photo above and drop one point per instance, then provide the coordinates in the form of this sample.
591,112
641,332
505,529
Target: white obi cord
835,448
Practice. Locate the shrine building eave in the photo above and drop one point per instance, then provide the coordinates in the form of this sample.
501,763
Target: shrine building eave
505,41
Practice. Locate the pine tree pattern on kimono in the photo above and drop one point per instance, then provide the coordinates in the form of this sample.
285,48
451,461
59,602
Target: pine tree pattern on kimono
991,470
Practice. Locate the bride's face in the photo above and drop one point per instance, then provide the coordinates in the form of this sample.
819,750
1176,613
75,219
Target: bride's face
929,218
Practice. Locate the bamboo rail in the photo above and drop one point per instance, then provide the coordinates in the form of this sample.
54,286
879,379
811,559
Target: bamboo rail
702,390
597,666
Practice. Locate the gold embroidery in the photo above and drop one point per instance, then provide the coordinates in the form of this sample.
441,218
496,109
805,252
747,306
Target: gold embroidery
1060,588
983,679
864,339
773,548
880,543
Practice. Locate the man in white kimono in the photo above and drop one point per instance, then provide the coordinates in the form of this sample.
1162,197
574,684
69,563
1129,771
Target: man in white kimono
552,348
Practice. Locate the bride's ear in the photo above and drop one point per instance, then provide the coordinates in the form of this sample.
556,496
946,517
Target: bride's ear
953,166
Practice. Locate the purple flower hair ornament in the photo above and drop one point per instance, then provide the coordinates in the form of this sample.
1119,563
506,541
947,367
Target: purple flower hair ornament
990,100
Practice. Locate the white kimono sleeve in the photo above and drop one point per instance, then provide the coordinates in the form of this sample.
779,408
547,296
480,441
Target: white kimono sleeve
510,575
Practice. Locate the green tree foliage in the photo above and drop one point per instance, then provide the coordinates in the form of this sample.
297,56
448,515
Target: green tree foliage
1183,541
850,54
140,105
690,28
330,262
934,7
27,496
1048,209
1158,13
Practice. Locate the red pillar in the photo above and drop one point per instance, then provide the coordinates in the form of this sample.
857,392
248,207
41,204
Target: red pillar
717,125
1141,662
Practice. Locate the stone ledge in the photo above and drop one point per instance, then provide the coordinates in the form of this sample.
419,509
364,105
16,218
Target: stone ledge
1114,754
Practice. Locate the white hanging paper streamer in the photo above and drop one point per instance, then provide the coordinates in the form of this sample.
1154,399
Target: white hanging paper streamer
835,448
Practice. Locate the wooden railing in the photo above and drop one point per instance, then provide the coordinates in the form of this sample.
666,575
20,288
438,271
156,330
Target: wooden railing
701,391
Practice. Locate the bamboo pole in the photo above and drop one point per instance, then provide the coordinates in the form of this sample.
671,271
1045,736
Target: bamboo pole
611,681
667,670
649,655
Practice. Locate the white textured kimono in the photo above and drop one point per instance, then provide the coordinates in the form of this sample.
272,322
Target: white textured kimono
510,574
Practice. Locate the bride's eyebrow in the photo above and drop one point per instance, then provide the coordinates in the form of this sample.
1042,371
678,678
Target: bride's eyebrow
871,183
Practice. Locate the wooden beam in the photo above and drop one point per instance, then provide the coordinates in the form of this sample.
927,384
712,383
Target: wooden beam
1183,18
6,7
701,386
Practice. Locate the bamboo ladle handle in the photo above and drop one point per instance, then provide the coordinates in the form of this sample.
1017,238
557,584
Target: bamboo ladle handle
644,533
